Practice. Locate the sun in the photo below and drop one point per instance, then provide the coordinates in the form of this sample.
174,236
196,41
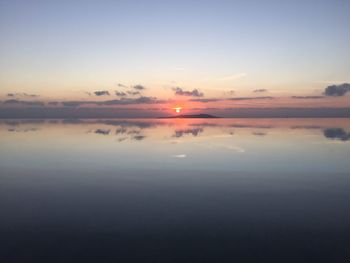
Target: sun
177,109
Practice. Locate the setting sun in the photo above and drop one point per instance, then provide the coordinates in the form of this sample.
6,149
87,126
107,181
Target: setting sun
177,109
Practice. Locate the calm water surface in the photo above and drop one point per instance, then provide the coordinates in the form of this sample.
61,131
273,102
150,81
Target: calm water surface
175,190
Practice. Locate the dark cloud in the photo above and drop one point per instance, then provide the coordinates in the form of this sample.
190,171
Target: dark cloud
207,100
102,131
194,132
122,101
10,95
336,134
129,101
139,87
307,97
101,93
193,93
23,102
260,90
120,93
337,90
133,93
252,98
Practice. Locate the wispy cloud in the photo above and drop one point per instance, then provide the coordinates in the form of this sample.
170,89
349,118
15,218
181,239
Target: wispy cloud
234,77
133,93
252,98
206,100
22,94
121,85
120,93
260,90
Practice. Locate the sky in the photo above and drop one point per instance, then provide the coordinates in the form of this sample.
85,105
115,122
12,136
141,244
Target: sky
167,54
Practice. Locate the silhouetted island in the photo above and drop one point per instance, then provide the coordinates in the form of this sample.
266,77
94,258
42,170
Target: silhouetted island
191,116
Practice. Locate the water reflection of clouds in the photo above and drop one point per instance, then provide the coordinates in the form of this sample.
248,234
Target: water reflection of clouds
336,134
135,129
22,130
194,132
102,131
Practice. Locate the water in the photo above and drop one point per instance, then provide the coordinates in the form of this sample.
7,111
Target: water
175,190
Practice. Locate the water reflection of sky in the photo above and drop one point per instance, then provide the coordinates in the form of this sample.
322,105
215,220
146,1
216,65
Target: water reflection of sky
247,145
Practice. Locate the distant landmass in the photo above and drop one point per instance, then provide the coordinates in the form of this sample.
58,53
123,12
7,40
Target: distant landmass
191,116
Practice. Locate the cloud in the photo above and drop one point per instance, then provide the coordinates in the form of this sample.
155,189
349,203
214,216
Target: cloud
121,101
129,101
101,93
252,98
130,92
121,85
260,90
120,93
206,100
337,90
307,97
139,87
22,94
336,134
193,93
234,77
23,102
